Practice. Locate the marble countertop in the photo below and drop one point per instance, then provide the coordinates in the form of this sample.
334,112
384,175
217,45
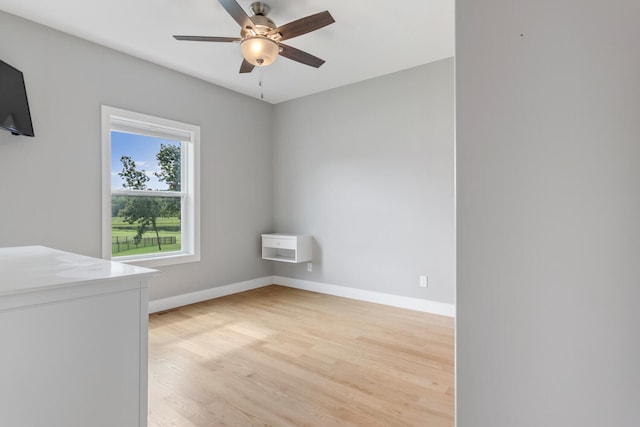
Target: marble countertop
31,268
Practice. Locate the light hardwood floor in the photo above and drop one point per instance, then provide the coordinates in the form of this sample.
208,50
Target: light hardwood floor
277,356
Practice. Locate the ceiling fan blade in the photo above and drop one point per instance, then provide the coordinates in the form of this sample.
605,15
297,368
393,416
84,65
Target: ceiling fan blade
208,38
300,56
303,25
246,67
237,13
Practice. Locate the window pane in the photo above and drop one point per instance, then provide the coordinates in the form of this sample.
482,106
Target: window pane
140,162
145,225
150,173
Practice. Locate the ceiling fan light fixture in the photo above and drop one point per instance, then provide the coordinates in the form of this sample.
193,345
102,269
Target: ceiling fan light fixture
259,50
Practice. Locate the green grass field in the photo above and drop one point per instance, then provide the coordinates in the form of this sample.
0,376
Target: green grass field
122,231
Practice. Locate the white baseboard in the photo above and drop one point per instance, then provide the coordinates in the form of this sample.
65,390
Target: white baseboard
207,294
426,306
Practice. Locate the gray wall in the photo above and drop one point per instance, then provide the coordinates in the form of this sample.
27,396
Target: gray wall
50,184
548,208
367,169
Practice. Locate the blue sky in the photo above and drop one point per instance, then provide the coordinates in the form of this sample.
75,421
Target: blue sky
142,149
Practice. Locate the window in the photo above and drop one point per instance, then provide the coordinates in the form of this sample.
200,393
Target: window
150,182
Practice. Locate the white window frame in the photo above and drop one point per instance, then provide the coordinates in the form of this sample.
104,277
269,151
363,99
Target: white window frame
116,119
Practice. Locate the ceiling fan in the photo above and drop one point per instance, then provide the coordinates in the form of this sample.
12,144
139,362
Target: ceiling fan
260,39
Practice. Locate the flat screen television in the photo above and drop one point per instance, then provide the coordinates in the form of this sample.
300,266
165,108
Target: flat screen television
14,107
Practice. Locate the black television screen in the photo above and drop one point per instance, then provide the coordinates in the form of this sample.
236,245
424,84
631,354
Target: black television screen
14,107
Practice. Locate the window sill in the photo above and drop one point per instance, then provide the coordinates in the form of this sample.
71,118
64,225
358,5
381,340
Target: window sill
159,261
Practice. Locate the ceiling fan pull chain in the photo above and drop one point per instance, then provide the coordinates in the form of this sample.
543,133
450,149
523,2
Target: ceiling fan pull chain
261,86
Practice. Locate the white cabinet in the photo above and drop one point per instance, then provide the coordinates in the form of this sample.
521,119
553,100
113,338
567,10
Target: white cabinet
286,247
73,340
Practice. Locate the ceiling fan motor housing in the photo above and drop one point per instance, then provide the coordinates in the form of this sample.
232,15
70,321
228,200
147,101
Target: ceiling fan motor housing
262,25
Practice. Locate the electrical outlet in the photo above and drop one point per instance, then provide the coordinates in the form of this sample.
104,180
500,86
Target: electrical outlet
309,267
424,281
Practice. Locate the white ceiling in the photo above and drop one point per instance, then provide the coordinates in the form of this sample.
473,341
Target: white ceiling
369,38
